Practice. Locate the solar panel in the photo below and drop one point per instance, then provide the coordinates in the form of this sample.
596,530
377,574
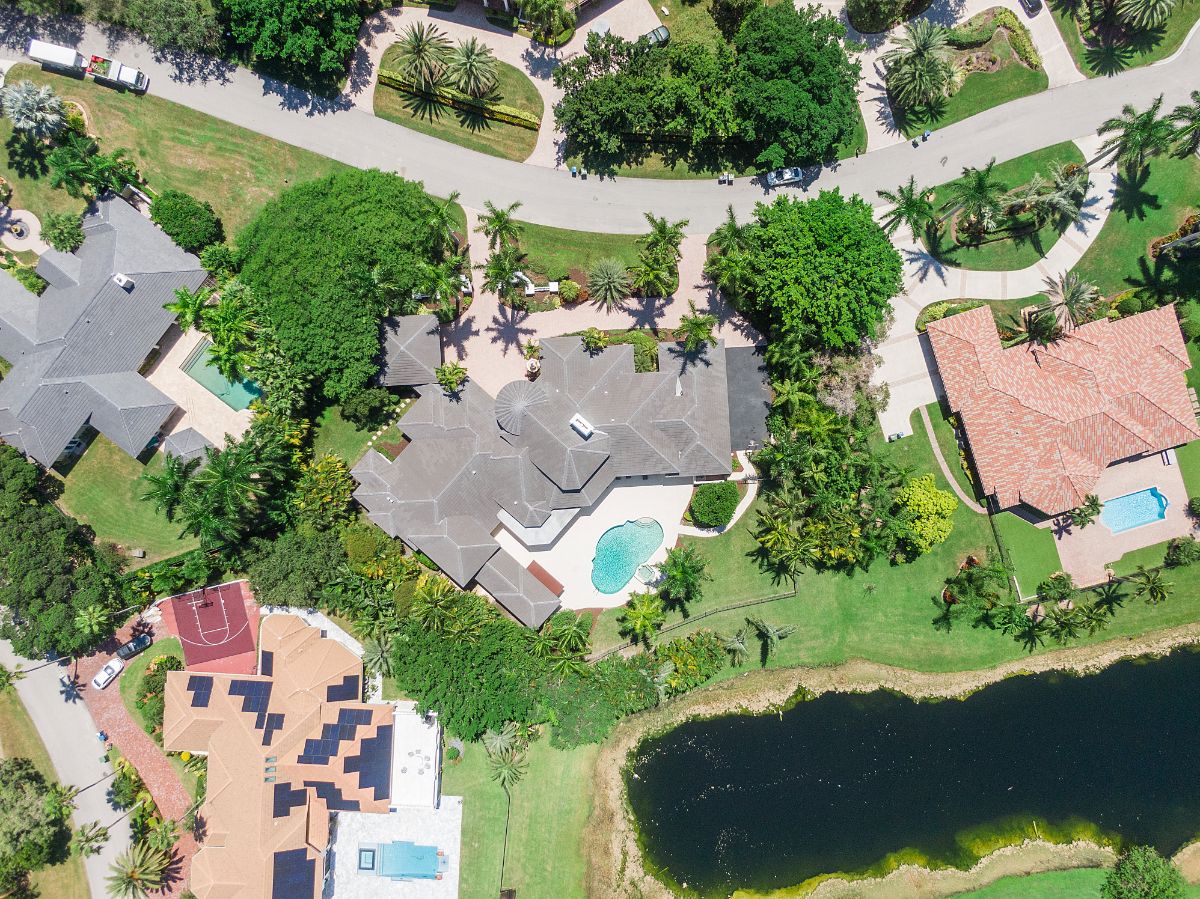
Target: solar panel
267,665
201,690
294,874
347,691
374,763
285,799
334,800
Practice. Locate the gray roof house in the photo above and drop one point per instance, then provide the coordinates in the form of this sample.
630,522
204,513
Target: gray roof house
532,457
77,349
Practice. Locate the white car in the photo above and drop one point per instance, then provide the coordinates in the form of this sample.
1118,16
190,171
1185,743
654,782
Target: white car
779,177
107,674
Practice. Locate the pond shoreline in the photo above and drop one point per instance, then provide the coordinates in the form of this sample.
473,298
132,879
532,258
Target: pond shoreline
614,860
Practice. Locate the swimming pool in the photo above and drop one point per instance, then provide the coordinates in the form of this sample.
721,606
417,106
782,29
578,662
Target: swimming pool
1124,513
236,395
620,551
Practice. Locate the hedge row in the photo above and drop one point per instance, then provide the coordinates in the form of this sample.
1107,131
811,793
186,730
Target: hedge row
966,36
938,311
497,111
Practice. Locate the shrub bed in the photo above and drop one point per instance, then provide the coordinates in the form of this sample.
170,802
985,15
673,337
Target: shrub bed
153,696
938,311
713,505
499,112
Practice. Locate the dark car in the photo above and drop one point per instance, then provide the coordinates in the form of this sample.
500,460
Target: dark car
1032,7
658,37
128,650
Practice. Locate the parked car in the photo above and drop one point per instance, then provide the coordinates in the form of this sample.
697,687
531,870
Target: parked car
784,176
138,644
108,674
1032,7
658,37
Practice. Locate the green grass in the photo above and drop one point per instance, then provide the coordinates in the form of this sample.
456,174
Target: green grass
1008,254
1149,47
1189,465
557,252
470,130
550,807
979,91
1148,206
943,431
1032,550
333,434
234,169
103,490
1077,883
20,739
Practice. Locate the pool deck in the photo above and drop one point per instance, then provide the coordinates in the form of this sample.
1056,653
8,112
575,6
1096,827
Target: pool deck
569,558
1085,553
199,408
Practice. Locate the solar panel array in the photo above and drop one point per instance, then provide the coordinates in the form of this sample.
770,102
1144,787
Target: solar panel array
285,799
294,875
374,763
320,750
200,687
347,691
267,666
256,696
334,800
274,723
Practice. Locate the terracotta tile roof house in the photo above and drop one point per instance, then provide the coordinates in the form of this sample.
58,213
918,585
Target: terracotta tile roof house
532,457
77,349
1044,421
285,748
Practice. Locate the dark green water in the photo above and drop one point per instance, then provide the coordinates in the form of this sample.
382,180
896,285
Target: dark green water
838,783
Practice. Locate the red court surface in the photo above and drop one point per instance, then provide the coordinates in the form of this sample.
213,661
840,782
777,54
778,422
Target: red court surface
217,627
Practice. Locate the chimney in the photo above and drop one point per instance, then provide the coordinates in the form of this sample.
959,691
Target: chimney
123,281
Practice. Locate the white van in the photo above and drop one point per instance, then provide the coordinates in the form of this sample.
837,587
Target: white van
56,57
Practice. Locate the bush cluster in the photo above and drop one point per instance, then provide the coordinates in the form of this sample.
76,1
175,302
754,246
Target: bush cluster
713,505
191,223
153,698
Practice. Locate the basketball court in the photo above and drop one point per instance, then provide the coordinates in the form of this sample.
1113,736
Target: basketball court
216,626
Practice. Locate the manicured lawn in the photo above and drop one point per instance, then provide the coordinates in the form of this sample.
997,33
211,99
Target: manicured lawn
1189,462
555,252
20,739
104,490
979,91
235,170
1146,206
513,88
1078,883
333,434
944,432
1146,48
1031,549
550,807
1006,254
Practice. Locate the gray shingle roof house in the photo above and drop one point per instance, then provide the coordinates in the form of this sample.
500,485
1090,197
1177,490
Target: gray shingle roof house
531,458
76,350
411,350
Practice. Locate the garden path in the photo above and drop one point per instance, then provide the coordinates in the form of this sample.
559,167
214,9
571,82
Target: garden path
941,459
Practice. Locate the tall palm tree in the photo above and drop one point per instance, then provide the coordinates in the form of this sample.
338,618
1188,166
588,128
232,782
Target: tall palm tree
501,742
501,269
137,872
70,163
422,55
654,275
978,195
433,602
507,769
918,69
911,206
9,678
1136,136
1144,15
441,282
608,282
697,329
450,377
377,655
34,110
1086,515
770,635
1065,625
91,620
729,235
549,17
165,489
499,225
89,839
1011,619
112,171
471,67
1093,617
642,617
665,237
735,645
442,223
1150,584
729,270
60,800
684,572
189,308
1186,119
1042,326
1074,294
230,323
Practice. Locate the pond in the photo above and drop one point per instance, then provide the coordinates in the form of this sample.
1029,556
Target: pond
840,782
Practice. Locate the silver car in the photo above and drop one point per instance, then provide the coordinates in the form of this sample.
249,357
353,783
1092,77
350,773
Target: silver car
108,674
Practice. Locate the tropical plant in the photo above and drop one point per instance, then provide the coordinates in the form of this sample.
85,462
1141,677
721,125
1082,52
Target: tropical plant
34,109
138,871
1186,119
654,275
1043,326
608,283
63,231
1065,625
163,835
442,222
165,488
571,633
500,271
377,655
910,205
697,329
451,377
422,53
1144,15
594,340
471,67
549,17
500,226
1151,586
1078,297
502,741
729,270
918,69
1086,514
1057,588
92,620
642,617
665,237
770,635
684,573
735,645
433,602
189,307
1136,136
729,236
9,677
89,839
441,282
978,195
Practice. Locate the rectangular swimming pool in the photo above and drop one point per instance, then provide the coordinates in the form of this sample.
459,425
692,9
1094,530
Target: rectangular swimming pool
236,395
1124,513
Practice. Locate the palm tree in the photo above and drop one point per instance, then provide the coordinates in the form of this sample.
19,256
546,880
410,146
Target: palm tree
684,572
1032,632
911,206
1065,625
471,68
978,195
230,322
549,17
433,601
9,678
594,340
507,769
654,275
662,680
1093,617
1144,15
608,282
918,69
697,330
735,645
189,308
442,223
499,226
92,620
166,488
1074,294
571,633
422,55
1136,136
1042,326
229,480
665,237
501,742
1151,585
230,360
770,635
112,171
137,872
1186,119
441,282
70,163
1087,513
163,835
729,270
729,236
89,839
1011,619
34,110
501,269
377,655
642,617
450,377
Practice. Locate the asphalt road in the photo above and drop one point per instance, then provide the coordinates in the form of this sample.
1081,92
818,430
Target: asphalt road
552,196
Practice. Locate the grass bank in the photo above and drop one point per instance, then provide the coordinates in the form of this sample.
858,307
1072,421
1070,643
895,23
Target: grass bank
1096,59
556,253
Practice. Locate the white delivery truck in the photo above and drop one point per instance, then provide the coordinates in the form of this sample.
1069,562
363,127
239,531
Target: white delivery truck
56,57
110,70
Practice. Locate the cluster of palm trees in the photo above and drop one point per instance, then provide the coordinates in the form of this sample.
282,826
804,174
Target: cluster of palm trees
1133,15
656,273
36,112
428,61
919,69
503,231
769,636
1133,137
683,574
227,317
729,267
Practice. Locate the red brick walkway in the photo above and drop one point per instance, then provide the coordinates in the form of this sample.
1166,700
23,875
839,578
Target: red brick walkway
136,745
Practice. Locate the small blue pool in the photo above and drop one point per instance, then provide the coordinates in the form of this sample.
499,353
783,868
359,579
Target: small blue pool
620,551
1134,510
237,395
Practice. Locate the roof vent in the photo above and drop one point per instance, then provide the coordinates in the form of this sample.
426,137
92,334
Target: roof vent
123,281
582,427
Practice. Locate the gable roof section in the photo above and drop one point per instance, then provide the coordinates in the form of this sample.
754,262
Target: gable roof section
411,348
1044,421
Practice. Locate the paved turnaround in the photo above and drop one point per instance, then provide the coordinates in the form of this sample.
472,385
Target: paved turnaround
337,129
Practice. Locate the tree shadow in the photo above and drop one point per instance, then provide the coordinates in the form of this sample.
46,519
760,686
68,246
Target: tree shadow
1129,195
26,157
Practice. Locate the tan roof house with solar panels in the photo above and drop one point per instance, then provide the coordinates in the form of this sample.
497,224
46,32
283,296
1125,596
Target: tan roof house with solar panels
286,748
1045,421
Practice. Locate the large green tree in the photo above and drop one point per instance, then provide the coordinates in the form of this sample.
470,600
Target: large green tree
309,40
309,256
30,831
1141,873
820,270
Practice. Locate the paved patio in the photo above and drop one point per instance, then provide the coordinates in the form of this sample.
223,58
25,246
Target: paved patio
569,558
1086,552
